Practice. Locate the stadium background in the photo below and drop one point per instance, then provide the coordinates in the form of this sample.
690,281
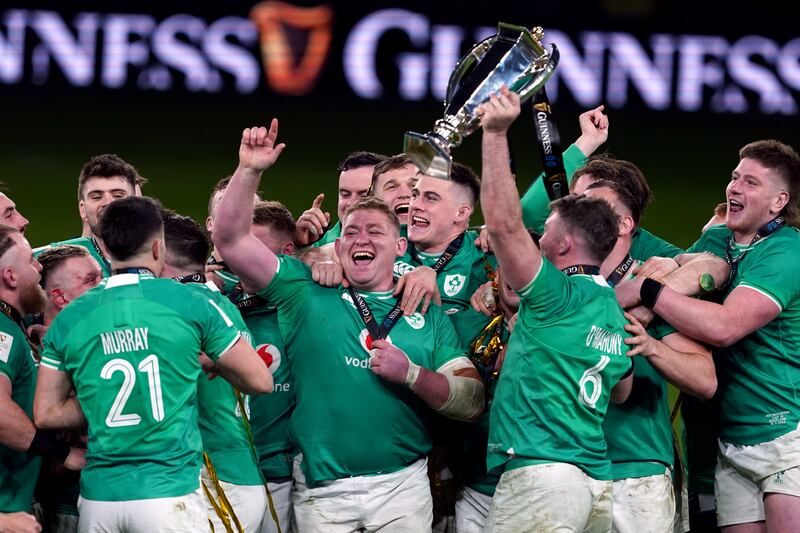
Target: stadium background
184,140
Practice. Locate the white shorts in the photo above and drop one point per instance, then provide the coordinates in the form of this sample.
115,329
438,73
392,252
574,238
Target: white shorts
182,514
249,502
398,502
550,497
472,509
644,504
282,500
745,474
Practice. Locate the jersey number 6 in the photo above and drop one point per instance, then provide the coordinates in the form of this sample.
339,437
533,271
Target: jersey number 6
592,375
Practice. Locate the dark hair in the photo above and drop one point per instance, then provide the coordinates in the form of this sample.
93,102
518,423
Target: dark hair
630,183
6,240
375,204
466,177
592,219
186,243
358,160
784,160
51,259
127,224
275,215
387,165
108,166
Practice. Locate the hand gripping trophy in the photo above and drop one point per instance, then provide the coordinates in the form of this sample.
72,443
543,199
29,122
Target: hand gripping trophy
514,57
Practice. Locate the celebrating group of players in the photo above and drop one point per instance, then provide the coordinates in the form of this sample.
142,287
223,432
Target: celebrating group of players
398,371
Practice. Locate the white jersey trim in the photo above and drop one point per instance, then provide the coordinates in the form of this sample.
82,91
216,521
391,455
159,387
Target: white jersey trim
120,280
523,292
211,286
227,348
761,291
43,362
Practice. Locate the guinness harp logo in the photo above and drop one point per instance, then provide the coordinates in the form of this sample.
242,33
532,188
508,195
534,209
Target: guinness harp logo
542,106
294,44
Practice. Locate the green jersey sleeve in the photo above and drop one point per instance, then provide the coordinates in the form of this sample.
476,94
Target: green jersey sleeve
12,353
52,355
447,346
535,202
774,274
290,285
548,292
219,332
646,245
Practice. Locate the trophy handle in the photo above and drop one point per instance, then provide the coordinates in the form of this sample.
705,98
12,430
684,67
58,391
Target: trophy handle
464,65
528,86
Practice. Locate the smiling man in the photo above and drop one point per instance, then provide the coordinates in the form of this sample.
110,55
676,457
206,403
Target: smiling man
755,332
393,182
103,179
362,464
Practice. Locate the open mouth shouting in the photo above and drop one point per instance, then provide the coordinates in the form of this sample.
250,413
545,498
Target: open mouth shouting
420,223
401,209
734,206
362,258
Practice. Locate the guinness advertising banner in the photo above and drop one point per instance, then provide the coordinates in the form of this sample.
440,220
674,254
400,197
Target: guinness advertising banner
169,85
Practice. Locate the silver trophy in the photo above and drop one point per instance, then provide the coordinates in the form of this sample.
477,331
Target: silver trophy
514,57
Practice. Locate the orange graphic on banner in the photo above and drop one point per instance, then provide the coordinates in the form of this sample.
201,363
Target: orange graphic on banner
284,73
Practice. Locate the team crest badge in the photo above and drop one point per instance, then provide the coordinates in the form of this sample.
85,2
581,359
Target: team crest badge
453,284
416,321
270,355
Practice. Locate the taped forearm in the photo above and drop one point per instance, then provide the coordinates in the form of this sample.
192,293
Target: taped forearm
465,398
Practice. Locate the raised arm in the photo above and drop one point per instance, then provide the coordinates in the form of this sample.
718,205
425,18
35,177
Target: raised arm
248,257
514,249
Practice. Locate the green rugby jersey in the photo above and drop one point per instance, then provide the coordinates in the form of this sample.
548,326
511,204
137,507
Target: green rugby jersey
536,208
270,413
330,236
18,470
535,202
221,426
639,432
758,377
130,346
86,242
565,355
457,282
348,421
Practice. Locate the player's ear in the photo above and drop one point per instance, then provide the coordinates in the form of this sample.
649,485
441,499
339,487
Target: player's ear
626,225
288,249
209,224
157,249
9,277
780,202
565,244
57,297
82,211
402,244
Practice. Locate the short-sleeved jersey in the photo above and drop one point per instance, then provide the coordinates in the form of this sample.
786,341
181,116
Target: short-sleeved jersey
347,420
645,245
638,432
330,236
86,242
457,282
270,413
130,346
222,429
758,377
476,437
535,202
564,356
18,470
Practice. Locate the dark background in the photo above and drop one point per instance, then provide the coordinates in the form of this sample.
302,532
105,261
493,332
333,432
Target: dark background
183,141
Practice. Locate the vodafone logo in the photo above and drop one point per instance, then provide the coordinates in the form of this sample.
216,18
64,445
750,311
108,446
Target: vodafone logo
270,355
365,339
